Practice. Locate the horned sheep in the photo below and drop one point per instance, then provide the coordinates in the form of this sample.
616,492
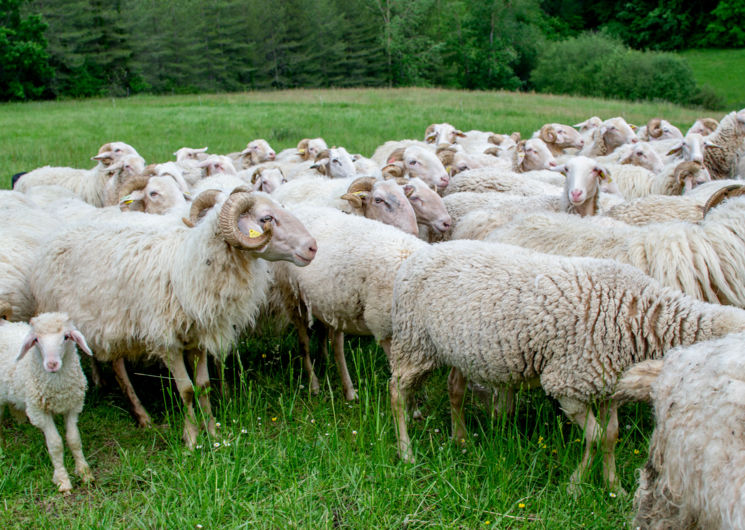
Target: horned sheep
40,375
726,147
551,321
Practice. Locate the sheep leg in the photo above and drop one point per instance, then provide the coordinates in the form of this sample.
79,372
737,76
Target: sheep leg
203,384
327,337
341,364
141,415
96,373
185,387
610,410
404,380
581,414
45,422
456,391
304,339
504,400
411,404
72,434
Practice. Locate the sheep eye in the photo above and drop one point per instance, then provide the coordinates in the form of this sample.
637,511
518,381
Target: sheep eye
378,200
267,219
335,161
412,162
153,193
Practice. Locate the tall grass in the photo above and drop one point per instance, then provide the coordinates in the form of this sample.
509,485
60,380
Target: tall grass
284,458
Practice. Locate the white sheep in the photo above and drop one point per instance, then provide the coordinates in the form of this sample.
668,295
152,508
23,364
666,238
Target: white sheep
421,162
694,473
611,134
267,178
382,153
658,209
635,181
503,315
349,285
559,137
307,149
156,195
496,180
157,289
658,129
40,375
704,260
256,152
439,133
703,126
726,147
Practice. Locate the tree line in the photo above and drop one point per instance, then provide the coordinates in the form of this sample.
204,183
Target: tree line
82,48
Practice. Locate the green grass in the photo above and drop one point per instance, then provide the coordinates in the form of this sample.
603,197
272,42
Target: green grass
311,462
723,71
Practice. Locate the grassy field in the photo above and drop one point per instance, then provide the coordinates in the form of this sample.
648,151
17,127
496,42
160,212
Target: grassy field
722,70
284,458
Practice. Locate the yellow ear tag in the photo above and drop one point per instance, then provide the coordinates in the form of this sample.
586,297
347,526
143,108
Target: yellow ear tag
301,151
358,193
448,169
253,233
127,199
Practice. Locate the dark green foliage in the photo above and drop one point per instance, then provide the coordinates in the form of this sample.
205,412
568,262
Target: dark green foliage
24,62
598,65
725,29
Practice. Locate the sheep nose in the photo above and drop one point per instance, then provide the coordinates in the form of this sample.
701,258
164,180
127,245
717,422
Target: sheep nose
52,366
634,140
576,194
313,248
272,156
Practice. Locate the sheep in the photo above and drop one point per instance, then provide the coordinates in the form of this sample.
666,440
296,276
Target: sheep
693,476
611,134
558,137
218,165
420,162
89,184
727,146
384,201
267,178
439,133
155,195
584,178
125,168
634,181
307,149
169,169
190,155
45,382
456,160
162,288
639,154
256,152
383,152
429,208
703,126
477,141
704,260
365,167
349,286
658,129
690,149
504,315
335,163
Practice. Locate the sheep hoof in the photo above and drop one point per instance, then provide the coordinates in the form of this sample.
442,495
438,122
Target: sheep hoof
63,483
144,422
350,395
85,474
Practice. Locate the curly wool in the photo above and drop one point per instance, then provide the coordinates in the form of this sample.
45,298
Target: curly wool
694,476
729,136
489,179
507,315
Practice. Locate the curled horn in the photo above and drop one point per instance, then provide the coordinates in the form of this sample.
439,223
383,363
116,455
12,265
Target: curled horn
396,156
137,182
710,123
446,156
727,192
326,153
6,310
429,134
240,202
654,128
516,136
200,205
548,134
494,151
302,148
256,174
361,184
392,171
496,139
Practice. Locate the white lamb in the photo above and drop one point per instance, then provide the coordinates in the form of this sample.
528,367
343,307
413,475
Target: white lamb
40,375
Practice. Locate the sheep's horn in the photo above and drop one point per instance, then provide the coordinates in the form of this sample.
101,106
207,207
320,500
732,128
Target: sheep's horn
326,153
237,204
392,171
396,156
496,139
654,127
710,123
137,182
361,184
200,205
727,192
6,310
548,134
429,134
494,151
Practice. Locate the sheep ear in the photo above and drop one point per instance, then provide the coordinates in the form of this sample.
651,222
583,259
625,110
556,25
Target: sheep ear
675,150
103,156
321,165
356,199
559,169
633,127
460,133
602,173
28,343
78,338
408,190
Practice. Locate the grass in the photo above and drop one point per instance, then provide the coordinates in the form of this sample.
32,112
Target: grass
291,459
722,70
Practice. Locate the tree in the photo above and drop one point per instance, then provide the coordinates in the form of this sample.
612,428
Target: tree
25,69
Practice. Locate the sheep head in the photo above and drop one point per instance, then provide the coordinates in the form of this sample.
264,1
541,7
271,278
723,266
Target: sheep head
688,175
256,152
267,178
548,133
384,201
111,152
50,334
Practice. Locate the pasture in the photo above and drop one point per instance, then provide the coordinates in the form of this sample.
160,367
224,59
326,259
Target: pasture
722,70
284,458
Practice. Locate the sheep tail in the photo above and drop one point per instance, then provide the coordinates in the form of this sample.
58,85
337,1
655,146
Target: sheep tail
636,383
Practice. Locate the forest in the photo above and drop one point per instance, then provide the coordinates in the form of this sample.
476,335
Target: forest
84,48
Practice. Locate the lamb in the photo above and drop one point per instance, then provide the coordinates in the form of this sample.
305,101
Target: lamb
571,325
704,260
558,137
40,375
161,288
727,146
384,201
88,184
349,287
693,477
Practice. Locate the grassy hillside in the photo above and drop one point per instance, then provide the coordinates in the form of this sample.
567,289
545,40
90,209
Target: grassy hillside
284,458
723,71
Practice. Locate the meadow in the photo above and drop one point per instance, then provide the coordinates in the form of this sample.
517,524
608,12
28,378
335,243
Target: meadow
284,458
721,70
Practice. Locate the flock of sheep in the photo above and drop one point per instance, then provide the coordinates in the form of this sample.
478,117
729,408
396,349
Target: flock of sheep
437,248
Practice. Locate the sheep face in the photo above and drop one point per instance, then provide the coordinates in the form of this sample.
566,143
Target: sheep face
309,148
424,164
267,179
256,152
159,196
703,126
336,163
439,133
584,177
126,167
52,345
189,154
589,124
217,164
645,156
561,136
616,132
428,206
290,241
533,154
112,152
384,201
691,174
